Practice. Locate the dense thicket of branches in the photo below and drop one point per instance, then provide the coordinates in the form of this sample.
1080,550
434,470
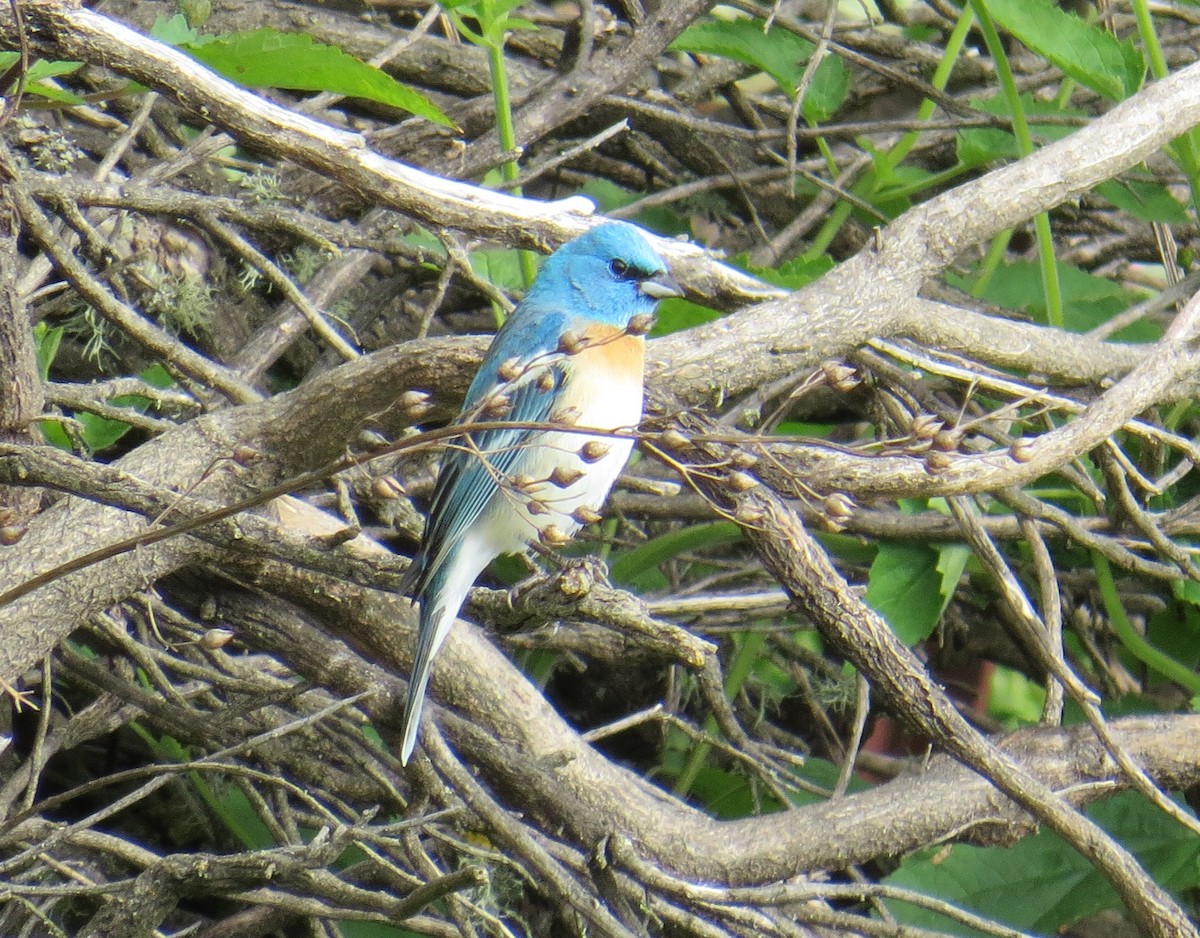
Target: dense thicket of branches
269,291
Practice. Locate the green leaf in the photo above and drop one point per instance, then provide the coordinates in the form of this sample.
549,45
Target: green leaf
979,146
791,275
1087,53
779,53
1056,886
46,342
39,71
904,586
157,377
374,930
951,562
501,267
1148,201
827,90
55,435
1088,300
176,31
267,58
633,568
675,315
99,433
1013,698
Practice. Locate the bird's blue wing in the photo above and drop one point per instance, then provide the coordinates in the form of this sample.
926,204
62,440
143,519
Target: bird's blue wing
475,467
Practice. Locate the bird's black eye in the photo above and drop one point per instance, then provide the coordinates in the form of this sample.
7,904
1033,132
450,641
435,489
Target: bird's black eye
621,270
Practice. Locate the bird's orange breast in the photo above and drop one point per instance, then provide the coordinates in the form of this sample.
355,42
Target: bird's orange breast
612,352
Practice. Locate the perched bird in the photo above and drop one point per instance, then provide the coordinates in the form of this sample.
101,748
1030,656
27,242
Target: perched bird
571,353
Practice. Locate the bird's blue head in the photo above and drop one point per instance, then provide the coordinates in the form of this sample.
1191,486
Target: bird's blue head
610,274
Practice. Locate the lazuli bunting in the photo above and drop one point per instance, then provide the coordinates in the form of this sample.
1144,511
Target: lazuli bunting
572,353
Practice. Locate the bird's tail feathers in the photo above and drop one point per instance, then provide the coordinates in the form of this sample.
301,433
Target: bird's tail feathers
434,625
440,593
442,583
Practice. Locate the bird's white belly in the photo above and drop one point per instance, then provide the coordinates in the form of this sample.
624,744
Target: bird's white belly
604,398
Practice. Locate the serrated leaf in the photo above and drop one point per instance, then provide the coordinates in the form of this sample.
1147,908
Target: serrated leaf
978,146
1088,300
175,31
38,72
827,90
791,275
904,586
1089,54
779,53
267,58
1148,201
1056,886
951,562
675,315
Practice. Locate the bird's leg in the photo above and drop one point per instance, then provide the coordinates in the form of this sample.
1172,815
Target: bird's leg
570,580
534,575
592,568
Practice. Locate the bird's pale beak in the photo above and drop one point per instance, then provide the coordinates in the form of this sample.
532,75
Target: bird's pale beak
661,286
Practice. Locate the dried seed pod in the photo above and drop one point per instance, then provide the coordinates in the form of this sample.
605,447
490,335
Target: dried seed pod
413,398
747,513
673,439
522,482
216,638
837,509
564,477
415,404
593,451
571,343
640,324
387,487
568,416
510,369
742,459
937,461
535,506
552,536
370,439
1021,450
245,455
925,427
11,533
741,481
841,376
946,441
585,515
497,406
547,381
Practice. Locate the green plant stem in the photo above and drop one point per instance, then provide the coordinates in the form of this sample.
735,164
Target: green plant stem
1134,643
822,239
1008,84
941,75
991,262
1185,148
509,170
940,178
739,670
